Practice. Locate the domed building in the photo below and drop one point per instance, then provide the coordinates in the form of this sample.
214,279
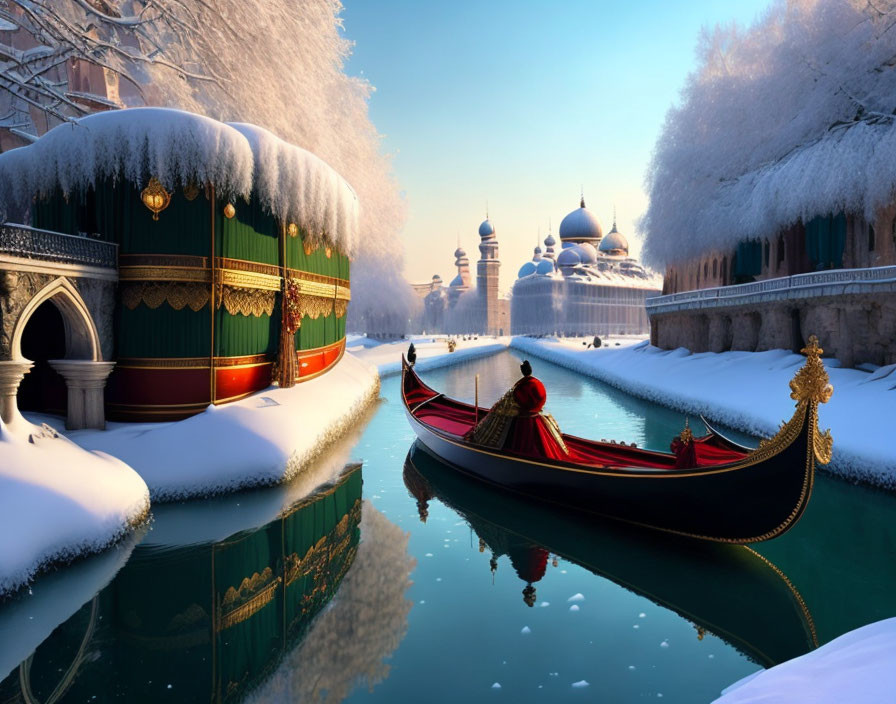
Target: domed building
590,287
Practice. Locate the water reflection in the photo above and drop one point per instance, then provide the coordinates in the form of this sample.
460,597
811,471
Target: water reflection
729,591
207,622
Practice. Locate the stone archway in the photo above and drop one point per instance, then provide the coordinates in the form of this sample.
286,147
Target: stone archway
83,368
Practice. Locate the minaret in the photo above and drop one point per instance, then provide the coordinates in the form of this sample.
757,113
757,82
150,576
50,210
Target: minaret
487,279
462,282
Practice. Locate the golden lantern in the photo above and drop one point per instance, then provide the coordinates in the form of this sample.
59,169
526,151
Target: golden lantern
155,197
309,248
191,191
293,229
329,252
229,211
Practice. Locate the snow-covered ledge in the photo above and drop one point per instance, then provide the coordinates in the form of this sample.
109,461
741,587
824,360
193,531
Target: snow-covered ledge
85,380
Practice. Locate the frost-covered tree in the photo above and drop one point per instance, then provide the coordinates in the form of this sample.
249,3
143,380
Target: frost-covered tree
274,63
788,119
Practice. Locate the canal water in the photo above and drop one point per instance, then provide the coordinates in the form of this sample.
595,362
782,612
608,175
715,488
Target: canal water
397,581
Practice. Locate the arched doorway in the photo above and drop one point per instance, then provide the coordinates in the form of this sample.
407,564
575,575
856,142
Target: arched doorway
43,338
56,331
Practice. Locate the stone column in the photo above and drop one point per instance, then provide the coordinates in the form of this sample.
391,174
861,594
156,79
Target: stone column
85,380
11,375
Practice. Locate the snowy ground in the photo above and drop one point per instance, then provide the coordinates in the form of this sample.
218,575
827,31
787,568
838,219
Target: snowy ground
59,502
748,391
857,668
264,439
432,351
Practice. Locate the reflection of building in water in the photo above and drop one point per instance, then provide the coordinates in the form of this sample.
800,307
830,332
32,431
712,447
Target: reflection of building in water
211,621
591,287
349,642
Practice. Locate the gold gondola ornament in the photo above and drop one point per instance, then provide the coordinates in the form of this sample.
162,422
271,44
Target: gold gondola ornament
292,230
155,197
229,211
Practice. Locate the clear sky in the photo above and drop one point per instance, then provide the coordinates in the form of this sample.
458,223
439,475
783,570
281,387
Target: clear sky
519,104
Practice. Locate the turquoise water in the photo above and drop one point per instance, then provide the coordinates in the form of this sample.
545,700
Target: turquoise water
416,586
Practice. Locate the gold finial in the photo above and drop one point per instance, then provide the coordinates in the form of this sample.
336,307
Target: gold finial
229,211
191,191
811,382
155,197
686,435
292,230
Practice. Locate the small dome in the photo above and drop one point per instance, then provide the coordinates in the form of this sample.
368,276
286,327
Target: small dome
456,281
459,252
436,278
587,253
545,267
581,225
549,241
569,257
527,269
536,256
614,242
486,229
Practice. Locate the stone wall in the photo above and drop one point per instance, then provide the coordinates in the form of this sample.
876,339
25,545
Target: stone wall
853,328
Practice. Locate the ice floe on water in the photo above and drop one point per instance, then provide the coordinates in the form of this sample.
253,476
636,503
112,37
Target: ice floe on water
574,607
576,597
580,684
526,630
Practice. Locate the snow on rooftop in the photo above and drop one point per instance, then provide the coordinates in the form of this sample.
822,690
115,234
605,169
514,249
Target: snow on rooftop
786,120
178,147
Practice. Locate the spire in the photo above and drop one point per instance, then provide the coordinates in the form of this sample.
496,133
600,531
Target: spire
614,218
582,201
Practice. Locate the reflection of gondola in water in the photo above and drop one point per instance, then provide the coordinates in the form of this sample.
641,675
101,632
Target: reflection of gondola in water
727,590
211,621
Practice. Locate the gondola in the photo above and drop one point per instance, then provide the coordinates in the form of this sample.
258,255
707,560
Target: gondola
729,494
730,591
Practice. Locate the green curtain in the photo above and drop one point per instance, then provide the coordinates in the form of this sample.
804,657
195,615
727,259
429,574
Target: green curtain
748,261
317,333
162,332
252,234
240,335
316,262
826,240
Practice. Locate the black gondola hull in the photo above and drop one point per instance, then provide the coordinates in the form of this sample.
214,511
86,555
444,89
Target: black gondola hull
755,499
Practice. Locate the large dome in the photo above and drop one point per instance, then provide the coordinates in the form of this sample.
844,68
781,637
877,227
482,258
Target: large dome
486,229
614,242
581,225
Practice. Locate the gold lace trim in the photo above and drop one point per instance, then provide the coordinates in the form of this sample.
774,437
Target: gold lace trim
154,293
245,301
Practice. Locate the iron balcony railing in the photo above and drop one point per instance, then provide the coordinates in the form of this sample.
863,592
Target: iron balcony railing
44,245
817,283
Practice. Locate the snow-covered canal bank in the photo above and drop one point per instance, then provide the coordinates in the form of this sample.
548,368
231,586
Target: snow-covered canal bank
748,391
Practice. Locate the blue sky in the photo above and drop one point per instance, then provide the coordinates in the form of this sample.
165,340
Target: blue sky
520,104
